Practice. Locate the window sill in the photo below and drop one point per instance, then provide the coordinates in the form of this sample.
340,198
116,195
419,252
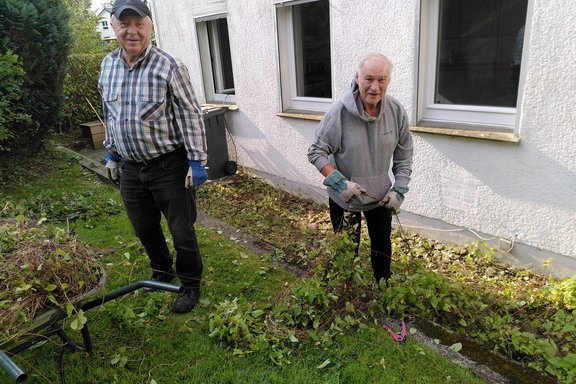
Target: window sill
483,135
230,107
302,116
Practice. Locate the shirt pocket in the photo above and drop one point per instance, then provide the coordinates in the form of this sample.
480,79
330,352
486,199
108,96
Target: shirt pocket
151,106
110,97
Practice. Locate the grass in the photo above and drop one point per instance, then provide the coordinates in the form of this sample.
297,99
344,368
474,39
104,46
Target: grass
137,339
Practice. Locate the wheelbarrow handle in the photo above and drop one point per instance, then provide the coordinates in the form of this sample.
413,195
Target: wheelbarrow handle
11,368
132,287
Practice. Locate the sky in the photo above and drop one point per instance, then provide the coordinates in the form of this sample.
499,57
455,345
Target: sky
98,4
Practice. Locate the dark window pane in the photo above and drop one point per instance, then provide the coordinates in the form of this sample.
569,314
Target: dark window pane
225,57
312,41
479,52
221,59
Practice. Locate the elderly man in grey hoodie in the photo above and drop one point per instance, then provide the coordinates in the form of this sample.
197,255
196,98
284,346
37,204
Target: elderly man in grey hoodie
362,137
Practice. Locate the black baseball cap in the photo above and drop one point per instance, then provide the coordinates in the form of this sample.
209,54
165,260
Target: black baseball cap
137,6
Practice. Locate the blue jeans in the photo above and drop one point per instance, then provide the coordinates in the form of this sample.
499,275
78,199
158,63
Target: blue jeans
379,222
155,188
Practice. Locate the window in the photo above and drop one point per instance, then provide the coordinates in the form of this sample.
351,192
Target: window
304,54
470,63
104,24
216,59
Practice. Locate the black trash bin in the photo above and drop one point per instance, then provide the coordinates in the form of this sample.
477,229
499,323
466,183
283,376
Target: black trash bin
216,143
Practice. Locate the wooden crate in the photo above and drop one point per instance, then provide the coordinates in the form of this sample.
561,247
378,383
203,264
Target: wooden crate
95,131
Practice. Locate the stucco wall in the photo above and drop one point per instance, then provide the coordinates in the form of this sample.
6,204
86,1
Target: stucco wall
525,191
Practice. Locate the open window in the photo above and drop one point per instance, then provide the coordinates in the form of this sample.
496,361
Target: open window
470,63
214,44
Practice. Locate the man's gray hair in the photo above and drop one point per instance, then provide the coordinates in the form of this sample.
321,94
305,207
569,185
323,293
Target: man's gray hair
374,55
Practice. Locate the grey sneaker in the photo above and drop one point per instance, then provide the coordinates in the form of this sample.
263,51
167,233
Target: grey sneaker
186,300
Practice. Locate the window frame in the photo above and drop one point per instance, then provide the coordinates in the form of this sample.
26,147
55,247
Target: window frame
288,66
458,116
207,39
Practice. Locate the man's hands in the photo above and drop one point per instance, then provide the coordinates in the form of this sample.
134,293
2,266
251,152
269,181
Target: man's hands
346,189
394,198
112,167
196,174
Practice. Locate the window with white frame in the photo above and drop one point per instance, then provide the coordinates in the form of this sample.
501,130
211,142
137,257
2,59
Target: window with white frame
470,61
304,54
214,44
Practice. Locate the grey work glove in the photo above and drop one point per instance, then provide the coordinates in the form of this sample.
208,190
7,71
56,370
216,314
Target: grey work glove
347,190
394,199
112,167
112,170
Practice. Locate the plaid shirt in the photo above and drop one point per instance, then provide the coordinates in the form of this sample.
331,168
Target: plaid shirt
150,109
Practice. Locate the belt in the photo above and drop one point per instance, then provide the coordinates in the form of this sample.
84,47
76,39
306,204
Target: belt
145,163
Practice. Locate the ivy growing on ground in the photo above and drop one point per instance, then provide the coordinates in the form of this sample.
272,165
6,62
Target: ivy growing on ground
323,304
516,312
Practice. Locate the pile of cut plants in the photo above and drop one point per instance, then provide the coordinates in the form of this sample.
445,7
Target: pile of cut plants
515,312
43,269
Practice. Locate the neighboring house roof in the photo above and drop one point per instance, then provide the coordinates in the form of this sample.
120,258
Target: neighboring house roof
104,27
104,12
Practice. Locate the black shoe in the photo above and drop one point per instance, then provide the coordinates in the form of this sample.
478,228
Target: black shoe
186,300
161,276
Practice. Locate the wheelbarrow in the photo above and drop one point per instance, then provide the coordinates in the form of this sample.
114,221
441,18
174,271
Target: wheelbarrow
49,323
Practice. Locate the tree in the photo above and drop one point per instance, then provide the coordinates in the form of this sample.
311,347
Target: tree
38,32
83,23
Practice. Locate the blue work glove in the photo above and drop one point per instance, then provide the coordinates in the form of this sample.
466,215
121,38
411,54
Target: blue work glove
394,199
196,174
347,190
112,166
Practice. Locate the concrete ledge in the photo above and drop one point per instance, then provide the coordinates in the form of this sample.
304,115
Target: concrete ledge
516,254
473,134
93,162
302,116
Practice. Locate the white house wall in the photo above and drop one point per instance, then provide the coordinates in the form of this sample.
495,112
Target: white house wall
524,192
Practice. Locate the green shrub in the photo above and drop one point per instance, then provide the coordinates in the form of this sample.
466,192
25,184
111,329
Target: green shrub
12,114
562,293
38,32
81,90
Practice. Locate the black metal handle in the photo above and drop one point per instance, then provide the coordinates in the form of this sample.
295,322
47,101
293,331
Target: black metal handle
132,287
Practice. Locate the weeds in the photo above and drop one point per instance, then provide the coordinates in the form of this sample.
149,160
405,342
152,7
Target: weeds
518,313
42,269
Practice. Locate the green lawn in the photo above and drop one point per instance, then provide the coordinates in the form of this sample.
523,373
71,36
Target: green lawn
137,339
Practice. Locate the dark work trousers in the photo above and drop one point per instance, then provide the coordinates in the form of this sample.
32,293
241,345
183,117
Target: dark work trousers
154,188
379,221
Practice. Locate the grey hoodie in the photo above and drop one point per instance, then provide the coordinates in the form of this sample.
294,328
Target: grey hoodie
362,147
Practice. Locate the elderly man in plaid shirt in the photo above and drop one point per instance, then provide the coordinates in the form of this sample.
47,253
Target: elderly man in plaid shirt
155,131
